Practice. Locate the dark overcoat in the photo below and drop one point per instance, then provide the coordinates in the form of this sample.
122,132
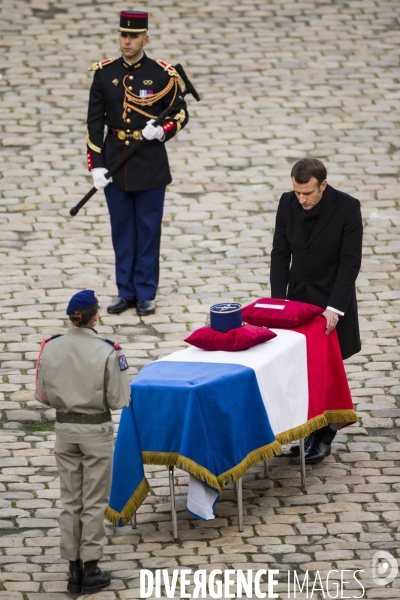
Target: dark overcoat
323,270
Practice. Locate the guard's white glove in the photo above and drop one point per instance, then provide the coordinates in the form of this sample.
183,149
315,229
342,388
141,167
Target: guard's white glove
99,179
153,133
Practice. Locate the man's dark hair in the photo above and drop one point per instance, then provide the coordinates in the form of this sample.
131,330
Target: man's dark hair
82,318
306,168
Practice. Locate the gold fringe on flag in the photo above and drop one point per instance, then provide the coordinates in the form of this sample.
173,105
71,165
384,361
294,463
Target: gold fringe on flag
217,482
174,459
166,459
130,507
302,430
251,459
329,416
341,416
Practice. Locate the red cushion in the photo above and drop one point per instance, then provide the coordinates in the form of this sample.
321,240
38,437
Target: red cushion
288,313
239,338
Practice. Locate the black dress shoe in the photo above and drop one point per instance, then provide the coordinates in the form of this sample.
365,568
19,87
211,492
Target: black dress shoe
74,584
317,452
145,307
320,446
325,435
93,578
120,306
294,450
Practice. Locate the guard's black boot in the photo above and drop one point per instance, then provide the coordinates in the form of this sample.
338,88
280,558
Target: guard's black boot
294,450
74,584
320,446
145,307
93,578
120,306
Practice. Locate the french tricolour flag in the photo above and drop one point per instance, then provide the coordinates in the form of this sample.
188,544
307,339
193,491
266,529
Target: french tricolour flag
302,383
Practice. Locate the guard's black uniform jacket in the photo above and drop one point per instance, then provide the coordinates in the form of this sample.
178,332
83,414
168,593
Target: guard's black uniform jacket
124,97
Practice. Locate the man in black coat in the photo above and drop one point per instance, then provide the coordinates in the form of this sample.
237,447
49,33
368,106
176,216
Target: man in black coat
315,258
126,95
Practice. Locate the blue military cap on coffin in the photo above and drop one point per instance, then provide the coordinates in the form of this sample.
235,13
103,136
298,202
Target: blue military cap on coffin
225,316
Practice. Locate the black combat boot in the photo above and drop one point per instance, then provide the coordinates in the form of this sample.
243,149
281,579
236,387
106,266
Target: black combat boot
93,578
75,576
320,446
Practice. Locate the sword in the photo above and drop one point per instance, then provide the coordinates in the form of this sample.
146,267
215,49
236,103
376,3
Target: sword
189,89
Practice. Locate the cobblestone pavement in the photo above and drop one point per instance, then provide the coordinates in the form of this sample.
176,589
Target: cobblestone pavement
279,80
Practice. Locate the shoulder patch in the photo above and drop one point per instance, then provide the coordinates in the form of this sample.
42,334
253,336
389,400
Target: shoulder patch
123,363
114,344
53,337
99,65
168,68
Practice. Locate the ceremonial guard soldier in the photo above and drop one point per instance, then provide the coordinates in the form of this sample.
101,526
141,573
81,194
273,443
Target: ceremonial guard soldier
83,376
126,95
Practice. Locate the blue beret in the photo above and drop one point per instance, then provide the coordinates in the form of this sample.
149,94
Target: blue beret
81,301
226,316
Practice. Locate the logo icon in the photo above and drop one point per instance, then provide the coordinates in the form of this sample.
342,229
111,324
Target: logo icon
384,567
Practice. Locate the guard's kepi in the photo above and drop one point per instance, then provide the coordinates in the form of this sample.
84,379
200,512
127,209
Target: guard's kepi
133,21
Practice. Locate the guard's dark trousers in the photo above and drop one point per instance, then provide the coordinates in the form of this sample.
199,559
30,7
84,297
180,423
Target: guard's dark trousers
136,230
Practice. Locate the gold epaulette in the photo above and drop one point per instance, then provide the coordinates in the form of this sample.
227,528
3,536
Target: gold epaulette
99,65
168,68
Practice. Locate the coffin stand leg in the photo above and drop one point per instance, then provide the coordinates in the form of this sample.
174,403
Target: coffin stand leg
266,474
133,521
239,496
303,466
173,505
